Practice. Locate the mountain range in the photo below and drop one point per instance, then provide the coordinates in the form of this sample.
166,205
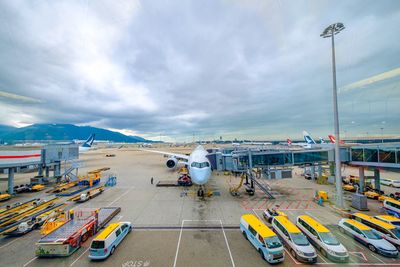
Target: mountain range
62,132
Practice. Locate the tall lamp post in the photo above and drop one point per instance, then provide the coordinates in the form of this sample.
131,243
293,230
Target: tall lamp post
330,31
382,134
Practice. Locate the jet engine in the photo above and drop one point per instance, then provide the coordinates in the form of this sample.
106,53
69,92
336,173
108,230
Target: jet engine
172,163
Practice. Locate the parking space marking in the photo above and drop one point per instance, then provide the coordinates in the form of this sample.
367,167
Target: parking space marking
180,238
359,253
79,256
322,258
290,255
31,260
9,243
372,254
227,244
118,198
179,242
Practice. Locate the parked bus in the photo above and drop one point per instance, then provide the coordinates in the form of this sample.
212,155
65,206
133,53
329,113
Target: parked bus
367,236
104,244
294,239
392,207
262,238
385,230
322,239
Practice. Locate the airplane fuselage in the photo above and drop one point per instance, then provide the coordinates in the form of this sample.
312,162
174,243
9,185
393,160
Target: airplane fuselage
199,166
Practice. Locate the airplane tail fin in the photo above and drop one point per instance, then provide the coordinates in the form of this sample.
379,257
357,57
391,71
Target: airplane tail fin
322,141
289,141
89,141
308,138
332,138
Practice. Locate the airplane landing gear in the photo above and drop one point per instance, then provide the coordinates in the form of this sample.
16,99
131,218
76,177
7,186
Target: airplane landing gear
200,192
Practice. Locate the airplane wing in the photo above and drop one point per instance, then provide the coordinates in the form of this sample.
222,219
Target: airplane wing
178,156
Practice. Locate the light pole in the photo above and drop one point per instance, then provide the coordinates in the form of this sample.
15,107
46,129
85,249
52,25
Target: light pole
330,31
382,134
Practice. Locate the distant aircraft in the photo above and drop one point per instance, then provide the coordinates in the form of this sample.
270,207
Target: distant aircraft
322,141
87,145
197,162
307,137
333,139
146,145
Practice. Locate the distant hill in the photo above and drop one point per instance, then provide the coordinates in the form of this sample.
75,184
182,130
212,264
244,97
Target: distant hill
63,132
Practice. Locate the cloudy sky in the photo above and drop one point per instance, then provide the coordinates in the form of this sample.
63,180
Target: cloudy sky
245,69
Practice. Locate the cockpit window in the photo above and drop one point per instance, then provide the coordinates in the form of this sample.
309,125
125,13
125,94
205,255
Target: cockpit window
200,164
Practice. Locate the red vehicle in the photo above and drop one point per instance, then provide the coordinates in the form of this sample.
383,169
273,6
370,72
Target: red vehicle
185,180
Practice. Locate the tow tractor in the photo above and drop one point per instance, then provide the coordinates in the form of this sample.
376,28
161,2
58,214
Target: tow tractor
269,214
69,237
4,197
88,195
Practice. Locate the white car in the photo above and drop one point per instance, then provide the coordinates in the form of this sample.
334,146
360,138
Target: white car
368,237
390,182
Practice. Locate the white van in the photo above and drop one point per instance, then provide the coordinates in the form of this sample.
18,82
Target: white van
294,239
367,236
322,239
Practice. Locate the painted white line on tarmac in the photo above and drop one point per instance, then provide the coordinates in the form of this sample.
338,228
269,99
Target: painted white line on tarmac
26,264
79,256
118,198
322,258
290,255
372,254
179,242
226,241
9,243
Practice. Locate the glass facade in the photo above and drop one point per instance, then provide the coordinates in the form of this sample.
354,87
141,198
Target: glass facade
387,155
376,155
357,154
259,160
370,155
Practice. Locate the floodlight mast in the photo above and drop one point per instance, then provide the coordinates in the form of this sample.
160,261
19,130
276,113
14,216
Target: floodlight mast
331,31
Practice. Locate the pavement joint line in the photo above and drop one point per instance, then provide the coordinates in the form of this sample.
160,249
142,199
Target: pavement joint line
118,198
322,258
79,256
31,260
9,243
227,244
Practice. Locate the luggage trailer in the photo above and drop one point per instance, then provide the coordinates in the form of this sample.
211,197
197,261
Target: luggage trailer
68,238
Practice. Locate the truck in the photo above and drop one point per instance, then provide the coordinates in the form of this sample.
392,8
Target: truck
69,237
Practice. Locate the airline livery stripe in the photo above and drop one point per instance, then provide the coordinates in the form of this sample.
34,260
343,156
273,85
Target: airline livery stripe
21,156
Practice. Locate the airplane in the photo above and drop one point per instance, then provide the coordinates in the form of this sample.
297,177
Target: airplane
307,137
322,141
333,139
87,145
197,163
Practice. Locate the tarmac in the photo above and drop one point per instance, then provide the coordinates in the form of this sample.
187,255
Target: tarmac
173,227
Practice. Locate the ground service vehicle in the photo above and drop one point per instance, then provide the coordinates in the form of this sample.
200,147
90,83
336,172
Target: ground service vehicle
294,239
262,238
386,230
104,244
392,207
268,214
322,239
367,236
